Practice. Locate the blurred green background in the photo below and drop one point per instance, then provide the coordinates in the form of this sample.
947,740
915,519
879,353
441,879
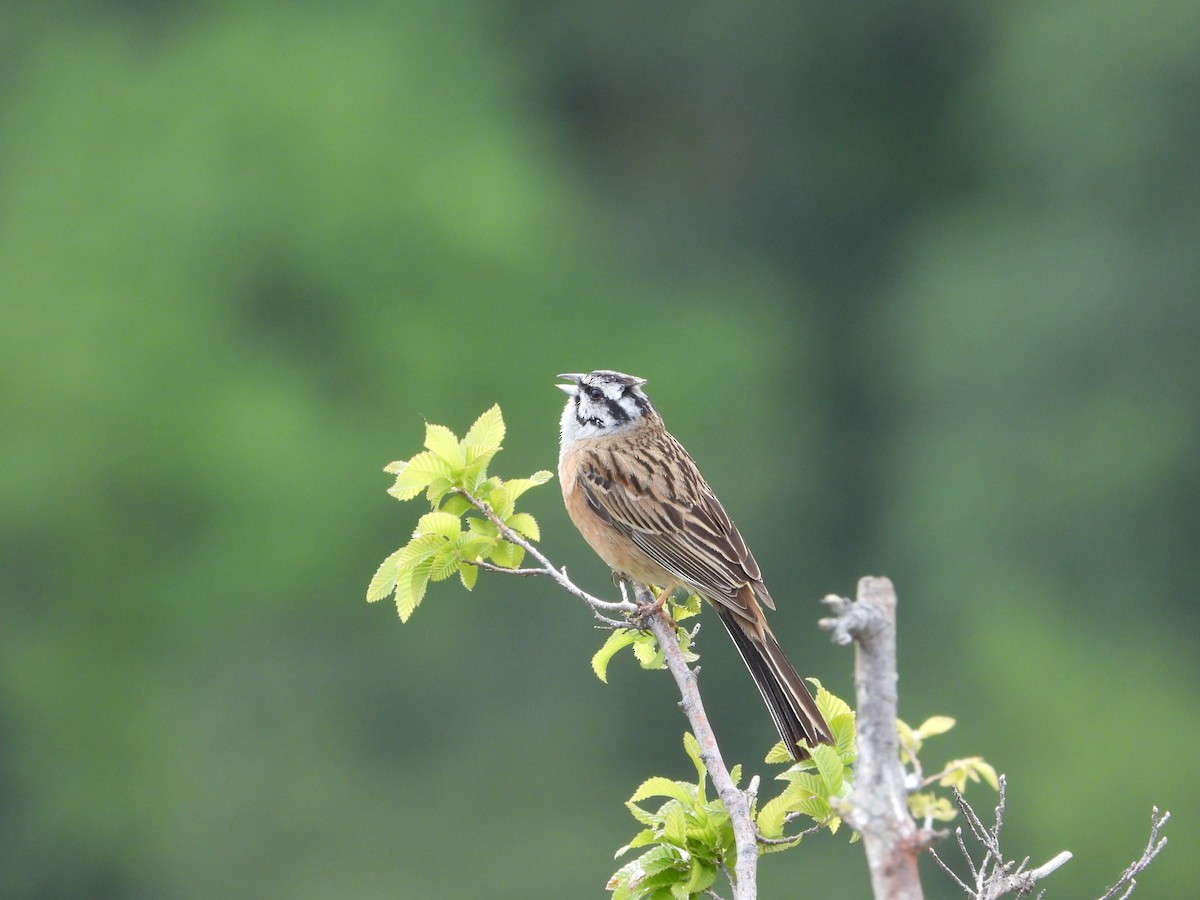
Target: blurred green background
916,283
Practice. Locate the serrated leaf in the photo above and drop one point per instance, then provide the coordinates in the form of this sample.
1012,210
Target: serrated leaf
675,826
524,524
771,816
456,505
778,754
483,527
518,486
843,734
383,582
475,472
395,466
660,859
641,839
657,786
805,784
488,430
936,725
468,574
829,765
474,547
508,555
498,498
701,878
815,807
830,705
417,474
441,441
622,637
445,564
440,523
410,590
439,488
647,651
691,747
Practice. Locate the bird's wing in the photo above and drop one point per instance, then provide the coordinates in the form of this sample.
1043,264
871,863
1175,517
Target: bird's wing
677,521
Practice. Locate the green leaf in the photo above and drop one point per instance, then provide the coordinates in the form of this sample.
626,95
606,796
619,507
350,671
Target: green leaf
440,523
456,505
508,555
647,651
524,524
830,705
468,574
445,564
483,527
843,734
658,786
518,486
691,747
410,590
910,742
778,754
439,488
622,637
675,826
958,771
498,498
640,814
417,474
924,804
384,580
441,441
829,764
935,725
701,878
772,814
988,772
487,432
475,547
806,784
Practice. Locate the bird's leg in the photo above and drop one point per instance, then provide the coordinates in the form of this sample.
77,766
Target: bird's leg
646,610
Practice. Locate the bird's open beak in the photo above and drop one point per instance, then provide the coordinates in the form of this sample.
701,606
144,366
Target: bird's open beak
572,387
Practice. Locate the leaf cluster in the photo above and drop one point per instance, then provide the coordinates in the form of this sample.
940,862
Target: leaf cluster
645,647
455,536
690,838
927,806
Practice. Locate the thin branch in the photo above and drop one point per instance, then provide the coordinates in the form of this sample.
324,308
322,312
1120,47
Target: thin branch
993,877
547,567
736,802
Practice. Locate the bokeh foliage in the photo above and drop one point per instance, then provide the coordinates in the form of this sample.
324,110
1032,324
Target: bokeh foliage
915,283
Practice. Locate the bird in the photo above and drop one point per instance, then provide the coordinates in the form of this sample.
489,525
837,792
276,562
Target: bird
639,500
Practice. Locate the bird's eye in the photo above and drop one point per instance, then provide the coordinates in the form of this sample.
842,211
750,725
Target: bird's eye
595,393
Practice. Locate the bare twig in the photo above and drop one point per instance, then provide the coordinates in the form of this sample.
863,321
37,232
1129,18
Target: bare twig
880,799
1128,879
992,876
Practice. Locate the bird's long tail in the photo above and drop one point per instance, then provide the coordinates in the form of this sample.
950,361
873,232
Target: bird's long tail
791,705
